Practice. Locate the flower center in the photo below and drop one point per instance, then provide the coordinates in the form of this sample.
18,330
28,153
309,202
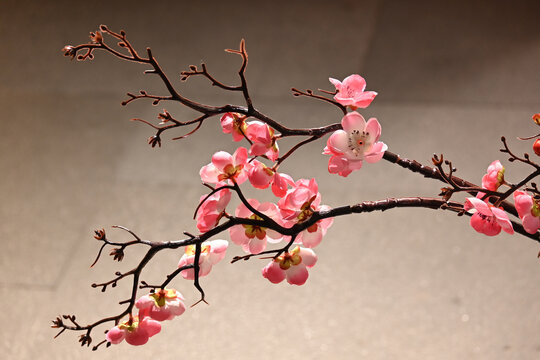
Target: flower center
238,123
535,210
162,295
500,177
359,143
230,172
289,259
255,230
190,249
486,217
130,325
350,92
306,211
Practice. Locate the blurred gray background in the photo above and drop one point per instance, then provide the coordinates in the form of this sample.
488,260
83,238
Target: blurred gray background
452,78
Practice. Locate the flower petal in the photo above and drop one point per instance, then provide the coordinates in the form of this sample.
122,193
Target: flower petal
221,159
356,82
376,153
240,156
115,335
273,272
365,99
338,142
353,121
336,83
312,239
309,258
479,205
137,337
502,219
297,275
373,128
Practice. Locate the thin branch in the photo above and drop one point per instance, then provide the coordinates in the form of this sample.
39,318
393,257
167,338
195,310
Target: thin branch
193,71
309,93
294,148
514,157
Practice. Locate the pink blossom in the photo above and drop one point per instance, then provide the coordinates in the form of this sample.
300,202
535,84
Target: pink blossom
358,141
234,123
295,200
253,238
225,166
211,211
351,92
261,176
135,332
298,205
264,141
291,266
212,252
162,305
494,176
528,210
487,219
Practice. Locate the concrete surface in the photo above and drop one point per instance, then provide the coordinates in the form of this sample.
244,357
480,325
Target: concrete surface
452,78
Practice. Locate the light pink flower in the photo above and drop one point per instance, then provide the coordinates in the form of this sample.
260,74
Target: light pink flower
351,92
253,238
136,332
291,266
225,166
264,141
494,176
358,141
528,210
212,252
487,219
234,123
261,176
162,305
298,205
211,211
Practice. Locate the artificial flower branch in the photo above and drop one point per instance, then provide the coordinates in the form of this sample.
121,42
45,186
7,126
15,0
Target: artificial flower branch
366,206
298,218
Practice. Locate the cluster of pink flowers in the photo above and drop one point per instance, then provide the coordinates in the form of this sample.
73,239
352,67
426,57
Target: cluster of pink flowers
165,304
357,142
298,202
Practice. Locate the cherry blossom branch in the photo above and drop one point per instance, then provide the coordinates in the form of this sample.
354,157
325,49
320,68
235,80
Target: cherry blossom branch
97,43
433,173
366,206
306,216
